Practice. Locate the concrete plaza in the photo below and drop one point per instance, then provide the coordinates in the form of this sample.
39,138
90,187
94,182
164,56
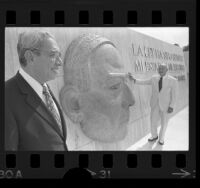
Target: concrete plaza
177,135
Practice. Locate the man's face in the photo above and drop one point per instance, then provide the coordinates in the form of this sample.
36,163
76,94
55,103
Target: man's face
162,70
46,65
106,106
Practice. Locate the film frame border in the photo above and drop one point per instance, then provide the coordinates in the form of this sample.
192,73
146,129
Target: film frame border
152,13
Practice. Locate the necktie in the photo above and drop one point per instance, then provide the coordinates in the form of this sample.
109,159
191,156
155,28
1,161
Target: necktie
160,83
51,105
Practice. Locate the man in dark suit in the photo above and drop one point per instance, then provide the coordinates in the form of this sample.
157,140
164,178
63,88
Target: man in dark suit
33,118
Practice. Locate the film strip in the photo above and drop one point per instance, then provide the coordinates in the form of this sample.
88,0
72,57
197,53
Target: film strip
113,164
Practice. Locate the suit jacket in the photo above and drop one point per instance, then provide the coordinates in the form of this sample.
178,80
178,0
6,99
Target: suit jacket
29,125
168,94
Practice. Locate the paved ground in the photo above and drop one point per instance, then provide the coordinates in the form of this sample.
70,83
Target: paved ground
177,135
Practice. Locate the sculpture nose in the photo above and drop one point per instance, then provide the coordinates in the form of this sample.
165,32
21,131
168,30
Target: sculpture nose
128,98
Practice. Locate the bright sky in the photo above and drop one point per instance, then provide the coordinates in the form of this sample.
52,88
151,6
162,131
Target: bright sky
179,35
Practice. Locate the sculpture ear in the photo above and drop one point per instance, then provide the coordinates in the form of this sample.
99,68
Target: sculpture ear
69,98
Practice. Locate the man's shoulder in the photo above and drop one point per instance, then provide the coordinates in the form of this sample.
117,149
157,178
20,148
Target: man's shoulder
155,76
172,78
10,83
11,86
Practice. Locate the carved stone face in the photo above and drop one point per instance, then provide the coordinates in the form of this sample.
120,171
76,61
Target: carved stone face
103,110
106,106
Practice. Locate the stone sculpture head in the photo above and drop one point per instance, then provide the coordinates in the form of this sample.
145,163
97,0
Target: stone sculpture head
95,94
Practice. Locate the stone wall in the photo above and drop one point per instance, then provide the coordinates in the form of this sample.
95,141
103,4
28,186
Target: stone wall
186,57
140,53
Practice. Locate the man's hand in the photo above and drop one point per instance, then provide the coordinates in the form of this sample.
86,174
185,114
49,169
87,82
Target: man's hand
170,110
131,77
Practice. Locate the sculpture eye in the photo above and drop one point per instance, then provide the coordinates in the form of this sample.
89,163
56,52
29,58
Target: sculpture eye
55,55
116,86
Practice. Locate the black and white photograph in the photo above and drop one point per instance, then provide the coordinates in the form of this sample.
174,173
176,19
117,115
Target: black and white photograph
96,89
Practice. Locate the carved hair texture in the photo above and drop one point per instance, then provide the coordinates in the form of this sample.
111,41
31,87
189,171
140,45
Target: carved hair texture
76,60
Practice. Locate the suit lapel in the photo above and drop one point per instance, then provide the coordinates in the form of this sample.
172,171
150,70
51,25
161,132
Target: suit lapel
157,84
36,103
165,82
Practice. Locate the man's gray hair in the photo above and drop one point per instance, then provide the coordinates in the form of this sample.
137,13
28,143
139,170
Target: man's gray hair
31,40
76,60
